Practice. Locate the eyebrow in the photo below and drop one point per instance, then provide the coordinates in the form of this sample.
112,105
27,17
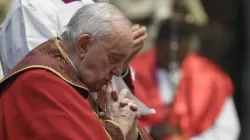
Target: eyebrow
116,54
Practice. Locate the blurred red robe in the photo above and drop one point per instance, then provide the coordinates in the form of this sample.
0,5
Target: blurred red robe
43,99
199,97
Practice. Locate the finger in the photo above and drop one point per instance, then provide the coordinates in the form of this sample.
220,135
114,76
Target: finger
133,107
102,99
104,88
140,40
108,91
123,94
132,101
135,27
109,87
137,115
137,45
124,102
114,95
139,32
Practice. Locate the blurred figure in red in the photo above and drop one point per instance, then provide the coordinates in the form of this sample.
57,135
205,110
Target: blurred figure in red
191,94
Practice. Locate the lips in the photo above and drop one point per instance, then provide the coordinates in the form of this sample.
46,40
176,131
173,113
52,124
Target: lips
108,79
104,82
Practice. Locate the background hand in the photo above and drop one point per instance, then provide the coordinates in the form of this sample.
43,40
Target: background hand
139,35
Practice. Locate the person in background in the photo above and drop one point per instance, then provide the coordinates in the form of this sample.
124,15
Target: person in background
32,22
4,7
191,94
48,93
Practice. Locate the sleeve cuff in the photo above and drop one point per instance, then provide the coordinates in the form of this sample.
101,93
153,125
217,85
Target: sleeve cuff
113,130
127,71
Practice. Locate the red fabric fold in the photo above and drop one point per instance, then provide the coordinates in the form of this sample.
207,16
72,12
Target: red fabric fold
200,94
46,107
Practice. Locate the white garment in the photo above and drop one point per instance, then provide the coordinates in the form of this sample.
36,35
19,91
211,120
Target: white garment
1,73
166,89
226,126
30,23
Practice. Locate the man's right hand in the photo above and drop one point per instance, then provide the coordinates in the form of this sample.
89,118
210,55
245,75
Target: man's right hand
121,110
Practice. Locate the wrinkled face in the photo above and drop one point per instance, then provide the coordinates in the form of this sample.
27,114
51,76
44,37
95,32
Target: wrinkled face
105,57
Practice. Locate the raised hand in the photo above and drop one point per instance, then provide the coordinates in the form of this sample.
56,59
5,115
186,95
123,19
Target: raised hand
139,35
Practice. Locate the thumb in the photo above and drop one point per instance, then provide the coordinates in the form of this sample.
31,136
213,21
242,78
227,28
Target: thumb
108,90
102,99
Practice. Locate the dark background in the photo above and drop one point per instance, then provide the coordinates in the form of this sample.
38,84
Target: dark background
235,16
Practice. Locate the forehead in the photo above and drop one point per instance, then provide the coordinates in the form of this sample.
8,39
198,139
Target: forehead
121,40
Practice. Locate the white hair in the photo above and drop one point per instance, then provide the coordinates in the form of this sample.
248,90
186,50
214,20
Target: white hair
93,19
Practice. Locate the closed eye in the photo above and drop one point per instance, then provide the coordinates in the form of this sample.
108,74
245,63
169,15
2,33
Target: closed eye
113,59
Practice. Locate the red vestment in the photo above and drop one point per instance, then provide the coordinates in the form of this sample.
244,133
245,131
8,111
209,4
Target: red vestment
199,97
45,107
43,99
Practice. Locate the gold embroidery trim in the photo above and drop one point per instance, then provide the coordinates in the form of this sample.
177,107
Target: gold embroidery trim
46,68
58,74
66,58
60,49
114,123
137,128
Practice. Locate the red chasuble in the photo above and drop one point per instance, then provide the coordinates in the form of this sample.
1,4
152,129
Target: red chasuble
199,97
45,107
43,99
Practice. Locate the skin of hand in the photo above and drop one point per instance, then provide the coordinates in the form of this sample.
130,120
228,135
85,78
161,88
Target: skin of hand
121,110
139,35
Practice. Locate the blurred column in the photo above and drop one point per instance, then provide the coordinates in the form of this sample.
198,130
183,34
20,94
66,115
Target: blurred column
245,135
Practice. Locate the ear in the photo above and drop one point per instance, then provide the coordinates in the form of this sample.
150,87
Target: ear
82,45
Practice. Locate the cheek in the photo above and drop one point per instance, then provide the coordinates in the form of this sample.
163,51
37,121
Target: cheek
99,65
107,67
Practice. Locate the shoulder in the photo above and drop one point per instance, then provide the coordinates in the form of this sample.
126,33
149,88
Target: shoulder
144,56
40,82
198,67
202,64
39,76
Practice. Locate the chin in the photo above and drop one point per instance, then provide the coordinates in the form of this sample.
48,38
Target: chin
95,88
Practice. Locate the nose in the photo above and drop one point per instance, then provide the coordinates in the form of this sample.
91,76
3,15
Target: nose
117,70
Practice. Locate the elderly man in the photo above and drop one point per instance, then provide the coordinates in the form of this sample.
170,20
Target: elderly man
45,95
34,22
